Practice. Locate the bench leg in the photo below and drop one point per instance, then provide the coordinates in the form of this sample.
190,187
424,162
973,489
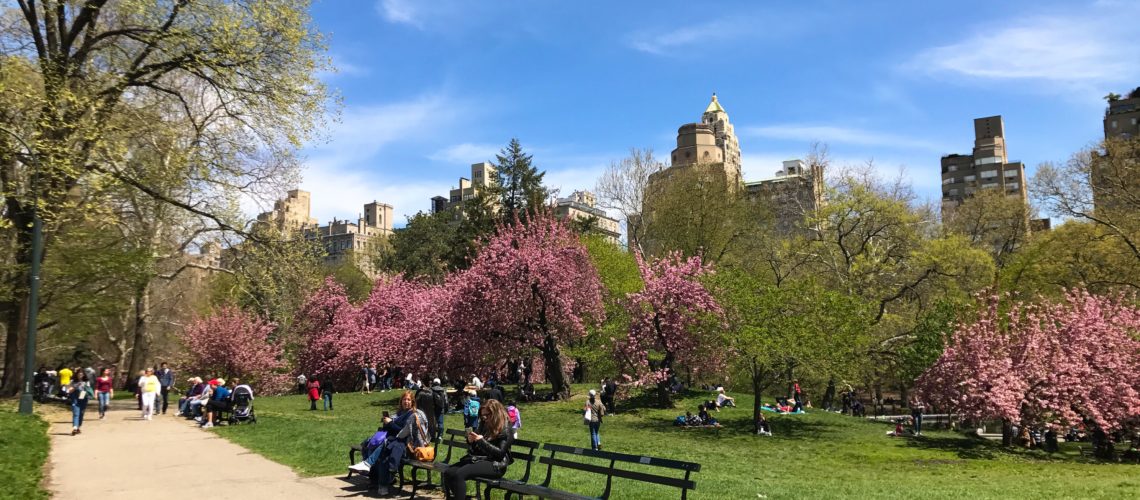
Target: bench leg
351,461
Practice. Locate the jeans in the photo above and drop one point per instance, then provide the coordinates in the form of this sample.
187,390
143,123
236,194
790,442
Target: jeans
439,424
595,438
326,400
917,423
78,409
471,421
387,460
104,402
165,399
455,477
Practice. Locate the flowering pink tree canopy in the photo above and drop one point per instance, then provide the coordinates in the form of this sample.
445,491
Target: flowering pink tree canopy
530,288
1057,363
233,343
673,322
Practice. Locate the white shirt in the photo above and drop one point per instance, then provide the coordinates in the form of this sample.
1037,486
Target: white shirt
720,399
476,382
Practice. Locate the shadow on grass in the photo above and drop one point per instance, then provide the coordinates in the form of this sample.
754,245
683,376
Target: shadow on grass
970,447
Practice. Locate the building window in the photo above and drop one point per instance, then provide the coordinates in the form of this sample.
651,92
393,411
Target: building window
970,178
1012,185
948,180
953,192
1010,173
989,185
1113,123
987,160
1134,121
988,174
953,168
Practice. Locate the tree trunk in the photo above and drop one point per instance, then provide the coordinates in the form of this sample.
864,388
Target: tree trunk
756,387
15,310
555,374
141,350
1006,433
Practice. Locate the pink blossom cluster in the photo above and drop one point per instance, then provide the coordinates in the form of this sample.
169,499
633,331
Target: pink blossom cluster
1048,363
530,290
673,321
232,343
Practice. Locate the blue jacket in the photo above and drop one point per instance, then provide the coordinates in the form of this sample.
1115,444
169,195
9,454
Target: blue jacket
222,393
166,379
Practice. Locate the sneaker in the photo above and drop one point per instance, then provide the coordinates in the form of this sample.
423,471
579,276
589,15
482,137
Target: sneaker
198,419
361,467
74,431
208,425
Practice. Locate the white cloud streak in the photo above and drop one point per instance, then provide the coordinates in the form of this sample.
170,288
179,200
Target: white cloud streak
401,12
665,42
466,153
1093,46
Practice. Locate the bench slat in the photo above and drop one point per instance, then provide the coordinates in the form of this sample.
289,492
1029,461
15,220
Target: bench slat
622,457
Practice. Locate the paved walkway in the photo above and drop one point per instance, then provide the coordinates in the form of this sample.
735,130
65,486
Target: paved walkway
126,458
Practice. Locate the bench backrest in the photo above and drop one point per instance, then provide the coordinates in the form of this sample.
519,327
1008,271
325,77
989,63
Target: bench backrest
524,451
569,456
454,438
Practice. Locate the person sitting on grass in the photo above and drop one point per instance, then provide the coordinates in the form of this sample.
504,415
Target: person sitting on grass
723,400
489,452
899,431
706,418
762,427
693,420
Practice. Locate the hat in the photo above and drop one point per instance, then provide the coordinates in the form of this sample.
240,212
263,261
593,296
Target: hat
593,393
214,381
435,380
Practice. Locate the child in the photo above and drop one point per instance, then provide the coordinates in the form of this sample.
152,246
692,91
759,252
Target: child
515,418
762,428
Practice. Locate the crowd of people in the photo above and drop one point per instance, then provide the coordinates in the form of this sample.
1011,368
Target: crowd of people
206,401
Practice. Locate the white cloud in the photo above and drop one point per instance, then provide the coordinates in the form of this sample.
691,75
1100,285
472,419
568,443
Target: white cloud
400,11
665,42
1093,46
829,134
467,153
341,193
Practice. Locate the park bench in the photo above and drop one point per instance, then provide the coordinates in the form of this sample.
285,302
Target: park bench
454,439
522,452
354,449
568,457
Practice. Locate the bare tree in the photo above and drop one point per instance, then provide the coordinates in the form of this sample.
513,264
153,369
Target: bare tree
621,188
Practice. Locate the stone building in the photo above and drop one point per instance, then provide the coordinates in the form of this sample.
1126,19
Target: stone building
581,205
711,143
358,240
1121,119
289,214
482,177
988,167
795,191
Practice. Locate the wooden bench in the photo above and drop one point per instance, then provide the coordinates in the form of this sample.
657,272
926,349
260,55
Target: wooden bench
567,457
454,439
522,452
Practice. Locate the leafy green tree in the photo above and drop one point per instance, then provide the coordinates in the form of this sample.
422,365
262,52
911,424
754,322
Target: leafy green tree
238,76
617,269
425,247
775,330
519,187
992,221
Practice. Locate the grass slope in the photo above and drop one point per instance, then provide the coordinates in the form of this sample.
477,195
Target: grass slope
817,455
24,446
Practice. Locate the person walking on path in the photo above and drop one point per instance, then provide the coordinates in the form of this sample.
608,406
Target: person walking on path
149,388
314,393
326,395
64,378
488,455
166,379
104,391
79,392
593,418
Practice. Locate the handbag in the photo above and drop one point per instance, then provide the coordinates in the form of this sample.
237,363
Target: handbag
421,453
588,417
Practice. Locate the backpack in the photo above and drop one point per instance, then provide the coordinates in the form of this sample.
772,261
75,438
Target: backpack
440,399
513,415
472,408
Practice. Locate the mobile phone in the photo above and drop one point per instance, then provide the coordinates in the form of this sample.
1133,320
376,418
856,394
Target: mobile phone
468,430
385,414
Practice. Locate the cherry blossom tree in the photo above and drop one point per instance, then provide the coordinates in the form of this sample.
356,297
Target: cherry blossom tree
1058,363
531,287
673,322
234,343
320,311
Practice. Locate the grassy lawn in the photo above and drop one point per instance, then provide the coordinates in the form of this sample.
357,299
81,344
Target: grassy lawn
24,446
817,455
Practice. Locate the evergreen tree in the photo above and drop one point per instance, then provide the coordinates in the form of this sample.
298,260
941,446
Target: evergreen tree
519,187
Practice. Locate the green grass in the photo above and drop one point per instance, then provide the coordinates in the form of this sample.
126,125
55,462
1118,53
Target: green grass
817,455
24,446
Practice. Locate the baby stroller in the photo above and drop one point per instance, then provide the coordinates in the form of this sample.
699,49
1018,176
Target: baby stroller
242,410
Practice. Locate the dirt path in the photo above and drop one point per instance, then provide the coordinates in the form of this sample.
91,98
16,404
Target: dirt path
124,458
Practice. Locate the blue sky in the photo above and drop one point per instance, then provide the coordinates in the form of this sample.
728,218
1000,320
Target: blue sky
431,86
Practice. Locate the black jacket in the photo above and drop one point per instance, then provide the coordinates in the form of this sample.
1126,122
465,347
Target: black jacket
440,396
495,393
496,450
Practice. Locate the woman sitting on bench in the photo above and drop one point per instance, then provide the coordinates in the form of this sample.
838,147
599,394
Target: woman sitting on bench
489,453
